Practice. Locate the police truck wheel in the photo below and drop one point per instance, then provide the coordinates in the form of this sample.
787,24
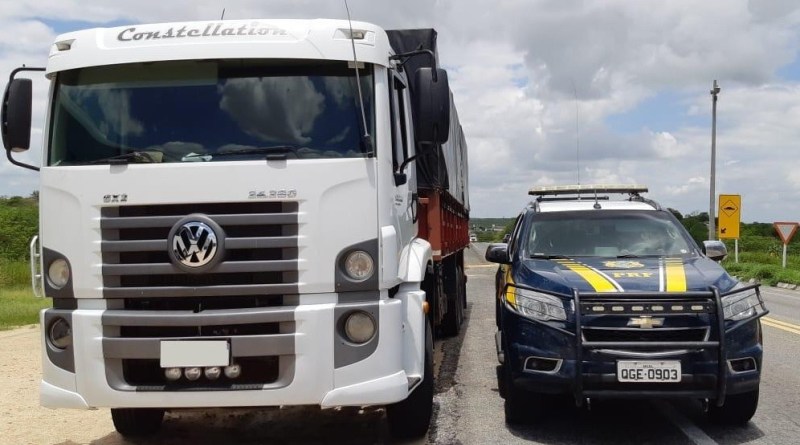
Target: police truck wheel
738,409
520,406
410,418
137,422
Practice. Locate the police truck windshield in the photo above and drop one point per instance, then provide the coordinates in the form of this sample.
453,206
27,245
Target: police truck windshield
201,111
610,233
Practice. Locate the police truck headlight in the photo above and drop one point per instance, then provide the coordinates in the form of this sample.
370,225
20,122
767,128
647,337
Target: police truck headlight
60,333
536,304
358,265
58,273
741,305
359,327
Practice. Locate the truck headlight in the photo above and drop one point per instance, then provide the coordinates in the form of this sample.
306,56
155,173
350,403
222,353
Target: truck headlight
58,273
60,333
741,305
359,327
359,265
536,304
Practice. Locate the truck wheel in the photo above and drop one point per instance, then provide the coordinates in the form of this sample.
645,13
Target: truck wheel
738,409
451,325
137,422
410,418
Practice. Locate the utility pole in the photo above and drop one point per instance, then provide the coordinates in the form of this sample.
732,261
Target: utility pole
712,229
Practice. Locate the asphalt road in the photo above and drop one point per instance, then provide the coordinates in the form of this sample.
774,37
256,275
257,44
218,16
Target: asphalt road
468,409
478,411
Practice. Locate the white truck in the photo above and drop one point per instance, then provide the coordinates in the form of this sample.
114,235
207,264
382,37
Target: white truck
238,213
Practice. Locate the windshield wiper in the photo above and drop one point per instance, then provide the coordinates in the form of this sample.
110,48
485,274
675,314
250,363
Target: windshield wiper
540,256
132,156
272,152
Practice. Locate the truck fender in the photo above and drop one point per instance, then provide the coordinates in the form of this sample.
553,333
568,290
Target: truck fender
414,261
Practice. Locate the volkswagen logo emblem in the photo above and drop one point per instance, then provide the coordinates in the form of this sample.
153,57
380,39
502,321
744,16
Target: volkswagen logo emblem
195,243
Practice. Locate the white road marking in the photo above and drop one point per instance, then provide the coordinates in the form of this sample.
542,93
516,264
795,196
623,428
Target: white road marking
692,431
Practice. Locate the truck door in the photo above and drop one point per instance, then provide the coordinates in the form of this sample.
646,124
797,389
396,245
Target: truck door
405,208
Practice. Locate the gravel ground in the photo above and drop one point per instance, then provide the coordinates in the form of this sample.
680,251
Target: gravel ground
25,422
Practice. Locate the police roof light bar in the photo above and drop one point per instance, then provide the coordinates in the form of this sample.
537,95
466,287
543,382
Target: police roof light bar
553,190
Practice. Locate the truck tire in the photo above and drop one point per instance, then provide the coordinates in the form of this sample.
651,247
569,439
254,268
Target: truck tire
410,418
738,409
451,325
137,422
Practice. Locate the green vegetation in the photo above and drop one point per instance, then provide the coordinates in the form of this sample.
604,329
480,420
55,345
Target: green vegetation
19,221
490,230
760,251
760,258
18,307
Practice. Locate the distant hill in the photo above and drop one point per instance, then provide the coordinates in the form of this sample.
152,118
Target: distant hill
489,229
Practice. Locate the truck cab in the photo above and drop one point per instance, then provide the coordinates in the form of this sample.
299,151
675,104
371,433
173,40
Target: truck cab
230,216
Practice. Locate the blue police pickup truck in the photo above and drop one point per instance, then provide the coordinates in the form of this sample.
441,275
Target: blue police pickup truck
611,298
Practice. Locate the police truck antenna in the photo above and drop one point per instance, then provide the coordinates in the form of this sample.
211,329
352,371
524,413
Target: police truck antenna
577,134
222,17
366,138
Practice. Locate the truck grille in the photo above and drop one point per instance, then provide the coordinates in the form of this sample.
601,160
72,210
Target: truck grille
260,241
245,299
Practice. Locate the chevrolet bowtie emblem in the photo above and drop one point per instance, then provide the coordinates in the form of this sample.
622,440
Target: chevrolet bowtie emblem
646,322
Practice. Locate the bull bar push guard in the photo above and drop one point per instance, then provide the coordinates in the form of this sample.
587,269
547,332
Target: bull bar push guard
708,302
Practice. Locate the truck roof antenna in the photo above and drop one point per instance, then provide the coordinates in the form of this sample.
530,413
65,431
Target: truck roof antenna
366,137
222,17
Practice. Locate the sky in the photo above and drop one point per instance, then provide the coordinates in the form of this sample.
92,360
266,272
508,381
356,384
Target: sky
549,92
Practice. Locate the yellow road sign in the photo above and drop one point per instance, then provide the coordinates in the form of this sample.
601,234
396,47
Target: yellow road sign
730,209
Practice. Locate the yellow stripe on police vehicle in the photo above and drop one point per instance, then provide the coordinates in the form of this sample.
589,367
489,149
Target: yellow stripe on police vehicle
674,275
597,279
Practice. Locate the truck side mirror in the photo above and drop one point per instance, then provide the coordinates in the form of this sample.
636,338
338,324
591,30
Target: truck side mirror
16,115
715,250
498,253
432,106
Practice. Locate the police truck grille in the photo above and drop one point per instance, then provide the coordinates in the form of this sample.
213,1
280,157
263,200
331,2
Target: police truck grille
640,335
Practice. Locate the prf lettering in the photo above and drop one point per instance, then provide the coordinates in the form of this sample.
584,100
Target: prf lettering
632,274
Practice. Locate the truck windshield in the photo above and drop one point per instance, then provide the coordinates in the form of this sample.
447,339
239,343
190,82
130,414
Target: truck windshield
613,233
209,111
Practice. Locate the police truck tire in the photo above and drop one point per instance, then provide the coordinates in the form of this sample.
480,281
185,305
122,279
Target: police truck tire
410,418
137,422
515,405
520,407
737,410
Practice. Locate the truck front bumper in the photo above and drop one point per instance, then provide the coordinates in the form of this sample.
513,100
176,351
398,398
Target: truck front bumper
309,371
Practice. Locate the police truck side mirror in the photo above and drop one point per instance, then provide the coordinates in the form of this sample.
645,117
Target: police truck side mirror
498,253
16,115
432,106
715,250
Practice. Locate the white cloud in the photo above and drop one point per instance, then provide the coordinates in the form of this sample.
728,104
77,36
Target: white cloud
535,82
